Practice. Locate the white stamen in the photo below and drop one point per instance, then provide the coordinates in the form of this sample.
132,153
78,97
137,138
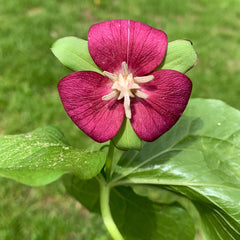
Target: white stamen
135,86
144,79
110,96
121,95
125,69
111,76
131,94
127,106
141,94
125,86
129,80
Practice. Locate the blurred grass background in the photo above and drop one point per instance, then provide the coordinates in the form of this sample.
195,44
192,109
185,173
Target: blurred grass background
29,74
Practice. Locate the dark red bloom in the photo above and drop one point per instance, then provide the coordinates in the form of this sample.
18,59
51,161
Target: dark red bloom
128,52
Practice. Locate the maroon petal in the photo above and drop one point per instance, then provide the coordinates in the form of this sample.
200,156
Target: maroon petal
168,95
81,94
139,45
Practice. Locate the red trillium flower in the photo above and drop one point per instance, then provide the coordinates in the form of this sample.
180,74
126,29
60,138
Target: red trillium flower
128,52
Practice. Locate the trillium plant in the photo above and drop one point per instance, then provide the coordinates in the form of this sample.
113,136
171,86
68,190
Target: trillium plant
163,167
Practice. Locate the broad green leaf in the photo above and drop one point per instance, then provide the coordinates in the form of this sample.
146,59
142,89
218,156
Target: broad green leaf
73,53
180,56
223,226
86,192
198,158
126,138
42,156
137,217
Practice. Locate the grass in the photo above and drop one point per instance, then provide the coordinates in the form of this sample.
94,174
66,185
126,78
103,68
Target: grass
29,74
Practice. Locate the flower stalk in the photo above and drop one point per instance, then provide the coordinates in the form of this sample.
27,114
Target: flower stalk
109,160
105,210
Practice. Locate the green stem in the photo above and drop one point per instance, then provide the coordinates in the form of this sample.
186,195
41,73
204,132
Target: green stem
108,165
105,210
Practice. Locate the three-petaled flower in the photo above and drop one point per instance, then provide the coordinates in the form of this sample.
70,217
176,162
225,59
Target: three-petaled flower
128,52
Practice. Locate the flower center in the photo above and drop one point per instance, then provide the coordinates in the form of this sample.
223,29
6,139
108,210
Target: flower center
126,86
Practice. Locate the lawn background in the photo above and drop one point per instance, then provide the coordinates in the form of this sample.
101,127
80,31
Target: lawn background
29,74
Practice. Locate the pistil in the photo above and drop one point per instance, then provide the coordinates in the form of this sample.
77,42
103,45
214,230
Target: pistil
126,86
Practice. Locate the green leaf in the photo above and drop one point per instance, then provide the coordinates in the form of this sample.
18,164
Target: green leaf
73,53
42,156
86,192
199,159
126,138
180,56
138,218
223,226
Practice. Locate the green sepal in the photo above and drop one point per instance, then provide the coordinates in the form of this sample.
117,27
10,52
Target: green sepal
180,56
126,138
73,53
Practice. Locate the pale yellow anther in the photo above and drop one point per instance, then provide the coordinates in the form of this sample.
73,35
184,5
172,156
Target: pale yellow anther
110,96
125,68
141,94
121,95
111,76
135,86
144,79
125,87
